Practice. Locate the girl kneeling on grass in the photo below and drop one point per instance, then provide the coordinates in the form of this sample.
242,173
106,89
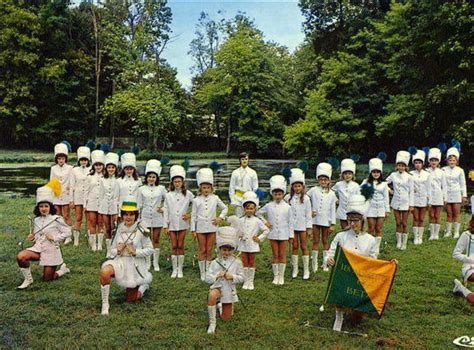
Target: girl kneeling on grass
224,273
48,231
278,214
464,252
130,247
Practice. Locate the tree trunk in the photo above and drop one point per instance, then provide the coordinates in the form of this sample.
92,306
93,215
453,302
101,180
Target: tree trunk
98,62
217,120
227,149
112,123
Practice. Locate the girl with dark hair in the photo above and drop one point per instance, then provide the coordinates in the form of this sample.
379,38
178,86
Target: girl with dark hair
129,181
437,192
344,189
94,220
421,189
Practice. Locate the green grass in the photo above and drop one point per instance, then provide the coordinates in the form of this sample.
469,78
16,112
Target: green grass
422,312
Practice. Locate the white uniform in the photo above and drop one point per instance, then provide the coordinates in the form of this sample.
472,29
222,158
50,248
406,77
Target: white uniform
242,180
93,192
403,190
362,244
79,183
149,200
323,204
50,252
456,184
464,252
343,191
204,211
420,187
227,288
279,215
437,194
249,227
128,187
176,205
109,192
131,271
379,204
64,175
301,214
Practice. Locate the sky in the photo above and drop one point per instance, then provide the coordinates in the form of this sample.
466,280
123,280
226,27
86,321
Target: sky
280,21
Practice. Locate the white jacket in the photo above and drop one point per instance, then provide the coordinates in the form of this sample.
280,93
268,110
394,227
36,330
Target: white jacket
323,204
176,205
301,214
64,175
279,215
79,183
149,200
379,204
363,243
420,187
437,185
93,192
204,211
241,181
456,184
109,192
464,252
227,288
344,190
128,187
248,228
403,190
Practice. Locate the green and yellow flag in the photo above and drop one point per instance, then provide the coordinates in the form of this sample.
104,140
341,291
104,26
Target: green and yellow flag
360,283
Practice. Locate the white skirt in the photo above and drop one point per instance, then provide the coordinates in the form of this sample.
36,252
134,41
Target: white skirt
50,254
79,198
130,273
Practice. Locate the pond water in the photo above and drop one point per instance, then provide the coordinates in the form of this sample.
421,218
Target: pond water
22,180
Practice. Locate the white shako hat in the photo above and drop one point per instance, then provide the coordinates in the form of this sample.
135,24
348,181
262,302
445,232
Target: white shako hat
153,166
112,158
60,148
403,157
44,194
357,204
324,169
226,235
128,159
97,156
251,197
177,170
453,151
277,182
83,152
205,176
419,155
297,175
434,153
375,164
348,165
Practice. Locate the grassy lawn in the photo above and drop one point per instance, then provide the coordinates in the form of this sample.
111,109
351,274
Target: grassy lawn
422,312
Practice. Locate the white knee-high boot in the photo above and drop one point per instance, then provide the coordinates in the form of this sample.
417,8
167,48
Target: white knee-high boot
399,240
28,278
378,241
105,291
108,247
457,226
415,235
156,259
305,267
246,278
437,229
421,230
180,266
76,234
432,232
325,260
404,241
314,260
63,269
202,269
275,273
208,265
211,310
449,226
174,264
294,264
281,274
251,277
100,238
338,321
93,242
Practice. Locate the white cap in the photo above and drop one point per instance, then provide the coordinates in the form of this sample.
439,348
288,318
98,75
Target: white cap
375,164
60,148
128,159
205,176
419,155
44,194
403,157
357,204
98,156
83,152
453,151
251,197
112,158
153,166
434,153
277,182
297,175
348,165
324,169
226,235
177,170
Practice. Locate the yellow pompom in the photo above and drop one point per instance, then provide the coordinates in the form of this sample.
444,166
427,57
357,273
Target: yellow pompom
471,175
55,185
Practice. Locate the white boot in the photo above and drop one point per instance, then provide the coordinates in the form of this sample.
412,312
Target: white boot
68,240
421,230
281,274
325,260
108,245
294,264
251,277
404,241
202,269
28,278
148,262
399,240
76,234
457,225
275,273
432,232
378,241
208,266
415,235
62,270
314,260
437,229
156,259
100,238
460,289
246,278
305,267
180,266
142,289
447,233
211,310
174,263
338,321
105,291
92,242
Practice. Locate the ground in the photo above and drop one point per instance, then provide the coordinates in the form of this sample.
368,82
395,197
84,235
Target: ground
422,311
